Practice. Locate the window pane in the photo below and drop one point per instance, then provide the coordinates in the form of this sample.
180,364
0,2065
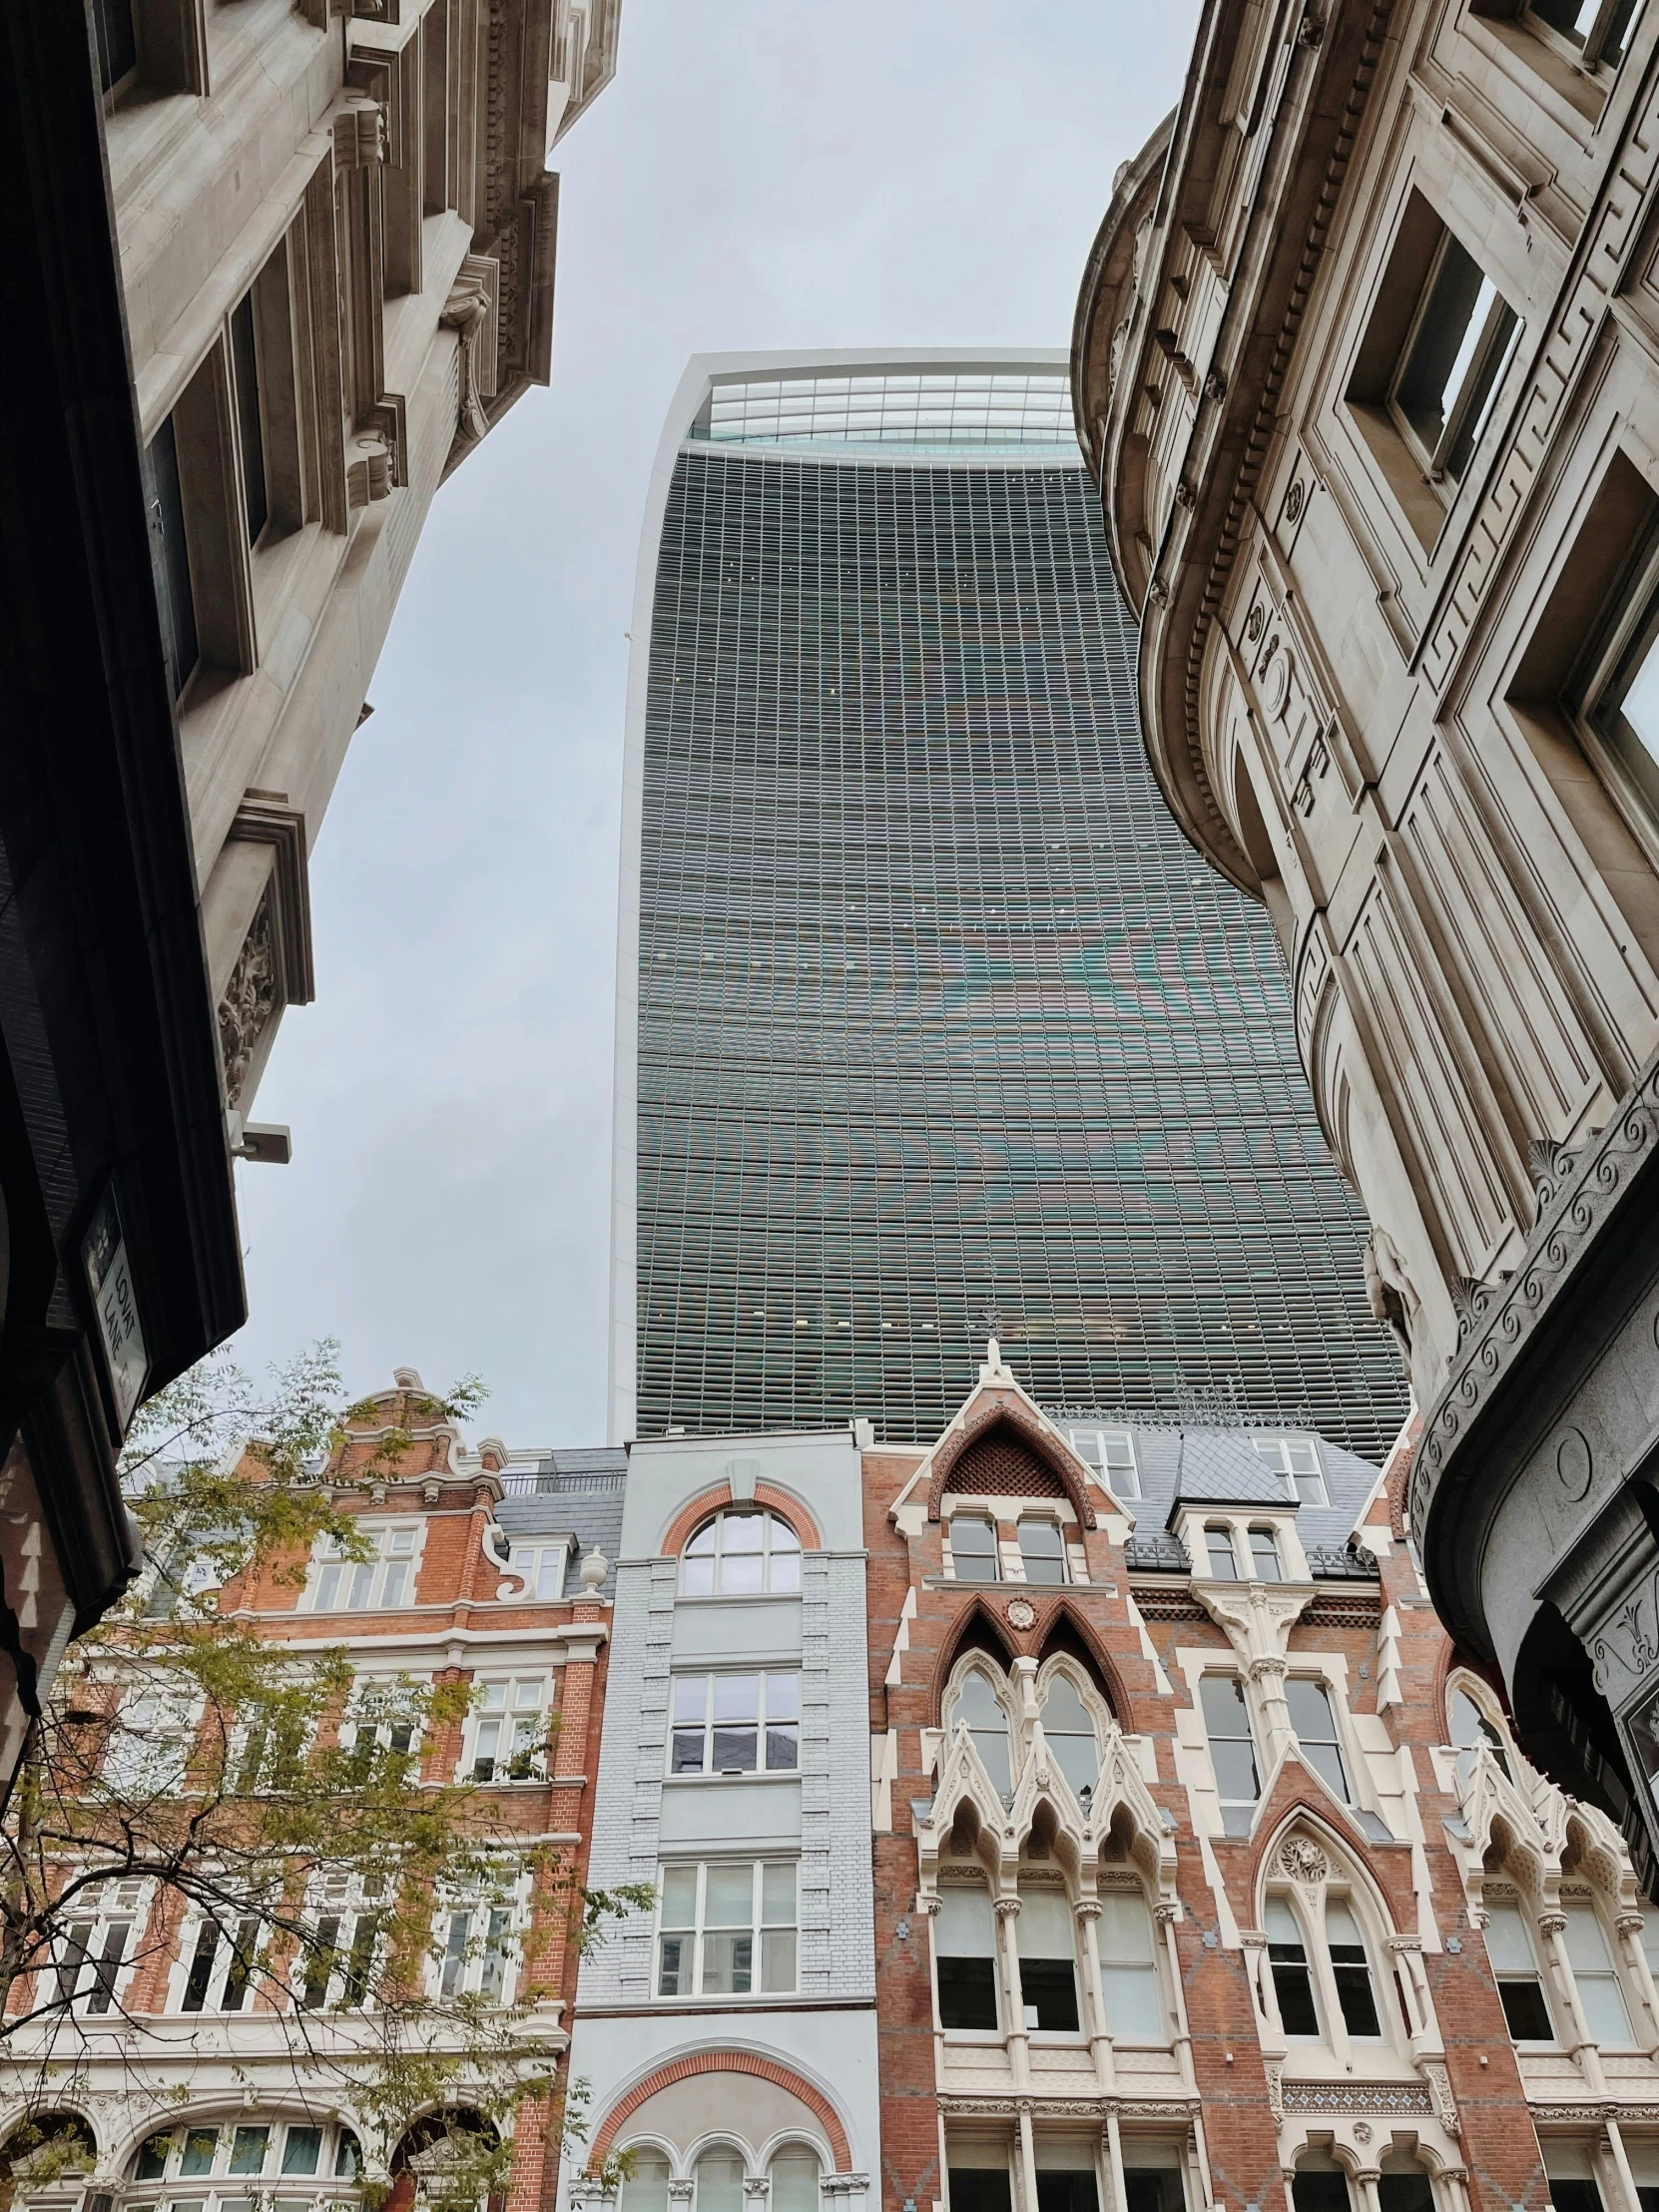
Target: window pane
737,1697
1408,2192
729,1896
1235,1766
778,1960
778,1896
1264,1554
1134,2007
1442,349
199,2146
795,2175
690,1699
245,364
973,1548
248,2149
728,1965
697,1577
1219,1545
719,2182
742,1533
170,556
646,2188
1316,2192
784,1568
742,1573
964,1927
967,1993
1509,1944
1525,2012
679,1896
302,2149
1043,1552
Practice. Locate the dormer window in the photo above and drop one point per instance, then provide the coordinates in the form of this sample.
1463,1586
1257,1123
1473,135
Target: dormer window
1218,1552
1296,1460
1264,1556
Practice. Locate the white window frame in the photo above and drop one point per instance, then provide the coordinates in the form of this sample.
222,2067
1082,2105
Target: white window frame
699,1931
981,1662
349,1899
520,1731
1102,1441
1061,1530
539,1555
765,1696
149,1755
386,1707
985,1519
1095,1708
1277,1451
1232,1804
338,2165
99,1985
1130,1886
361,1595
790,1587
477,1947
230,1942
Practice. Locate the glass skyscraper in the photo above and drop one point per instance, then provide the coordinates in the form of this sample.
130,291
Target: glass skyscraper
926,1008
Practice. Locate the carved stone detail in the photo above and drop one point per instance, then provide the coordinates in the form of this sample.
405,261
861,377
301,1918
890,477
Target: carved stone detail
1302,1859
252,998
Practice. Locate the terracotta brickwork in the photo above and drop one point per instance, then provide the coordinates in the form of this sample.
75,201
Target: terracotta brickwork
466,1618
1241,2102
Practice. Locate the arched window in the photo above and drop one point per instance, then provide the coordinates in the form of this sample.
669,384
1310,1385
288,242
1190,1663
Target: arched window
740,1552
795,2173
644,2187
1218,1543
1068,1727
719,2177
1350,1969
987,1722
302,2158
1293,1983
1047,1960
1472,1727
1320,2184
1264,1556
1402,2185
1129,1985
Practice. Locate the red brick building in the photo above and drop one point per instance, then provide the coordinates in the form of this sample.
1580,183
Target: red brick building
490,1573
1203,1874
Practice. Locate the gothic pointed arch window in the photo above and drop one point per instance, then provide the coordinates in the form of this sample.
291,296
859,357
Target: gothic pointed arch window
1069,1729
1327,1972
1475,1724
979,1704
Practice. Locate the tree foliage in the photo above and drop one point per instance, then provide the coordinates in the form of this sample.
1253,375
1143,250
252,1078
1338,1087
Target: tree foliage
243,1808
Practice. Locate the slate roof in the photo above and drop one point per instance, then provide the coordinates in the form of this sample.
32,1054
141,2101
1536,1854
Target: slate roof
1202,1466
578,1492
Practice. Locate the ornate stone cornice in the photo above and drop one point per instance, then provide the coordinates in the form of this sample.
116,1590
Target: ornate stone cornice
1503,1320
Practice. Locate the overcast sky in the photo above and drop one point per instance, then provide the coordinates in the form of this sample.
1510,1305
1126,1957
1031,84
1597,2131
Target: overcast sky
761,173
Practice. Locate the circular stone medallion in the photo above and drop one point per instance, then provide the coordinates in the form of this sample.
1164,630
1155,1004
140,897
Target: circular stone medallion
1021,1612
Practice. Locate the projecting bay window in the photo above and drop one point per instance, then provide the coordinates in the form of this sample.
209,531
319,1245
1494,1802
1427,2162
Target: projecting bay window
726,1928
964,1955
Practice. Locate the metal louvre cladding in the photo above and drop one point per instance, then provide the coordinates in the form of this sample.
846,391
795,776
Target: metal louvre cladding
937,1008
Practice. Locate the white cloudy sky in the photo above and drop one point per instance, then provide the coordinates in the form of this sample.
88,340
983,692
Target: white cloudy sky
761,173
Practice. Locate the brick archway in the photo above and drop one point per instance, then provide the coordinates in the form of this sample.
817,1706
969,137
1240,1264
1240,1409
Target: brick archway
774,1500
723,2061
996,1413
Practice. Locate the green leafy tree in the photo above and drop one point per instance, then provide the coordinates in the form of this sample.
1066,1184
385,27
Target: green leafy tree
196,1783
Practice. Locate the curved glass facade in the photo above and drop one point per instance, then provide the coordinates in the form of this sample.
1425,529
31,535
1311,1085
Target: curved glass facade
937,1009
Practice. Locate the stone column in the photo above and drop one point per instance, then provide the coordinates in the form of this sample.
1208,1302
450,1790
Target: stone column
1086,1916
757,2192
1269,1678
1019,2044
1629,1927
1166,1916
1367,2177
1617,2165
1027,2157
1115,2189
1554,1929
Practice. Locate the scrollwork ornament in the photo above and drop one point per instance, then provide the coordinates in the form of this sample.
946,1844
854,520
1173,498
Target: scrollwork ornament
1302,1859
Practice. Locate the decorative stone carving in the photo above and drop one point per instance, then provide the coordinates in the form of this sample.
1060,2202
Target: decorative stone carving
1275,2072
251,1000
470,313
1439,2088
1302,1859
1020,1613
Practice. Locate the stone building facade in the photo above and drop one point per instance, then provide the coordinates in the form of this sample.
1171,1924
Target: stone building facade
729,2039
1203,1870
1364,368
336,229
488,1573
